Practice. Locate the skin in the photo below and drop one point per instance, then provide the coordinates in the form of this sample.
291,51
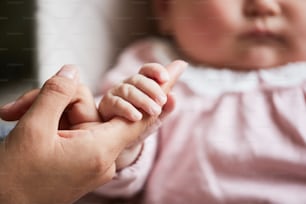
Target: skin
39,153
142,91
60,153
138,97
237,34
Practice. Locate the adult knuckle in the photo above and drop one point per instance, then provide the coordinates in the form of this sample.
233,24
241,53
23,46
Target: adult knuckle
84,90
110,173
97,164
54,85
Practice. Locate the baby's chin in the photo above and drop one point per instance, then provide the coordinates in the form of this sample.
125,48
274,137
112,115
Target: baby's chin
261,63
247,64
254,58
259,59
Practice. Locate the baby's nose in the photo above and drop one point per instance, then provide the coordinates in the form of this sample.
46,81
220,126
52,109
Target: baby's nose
261,8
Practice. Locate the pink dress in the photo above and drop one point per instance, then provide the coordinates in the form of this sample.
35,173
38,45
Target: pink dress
234,137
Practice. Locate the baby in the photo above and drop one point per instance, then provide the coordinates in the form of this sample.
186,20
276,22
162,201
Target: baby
237,133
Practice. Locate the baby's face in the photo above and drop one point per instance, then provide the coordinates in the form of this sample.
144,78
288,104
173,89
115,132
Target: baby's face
242,34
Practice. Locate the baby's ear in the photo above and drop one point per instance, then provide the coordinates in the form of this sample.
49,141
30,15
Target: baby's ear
162,9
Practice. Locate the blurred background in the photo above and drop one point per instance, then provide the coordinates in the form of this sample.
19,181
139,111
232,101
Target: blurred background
17,48
37,37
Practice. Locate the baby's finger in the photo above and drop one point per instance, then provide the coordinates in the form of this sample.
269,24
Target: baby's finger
149,87
155,71
137,98
112,106
175,69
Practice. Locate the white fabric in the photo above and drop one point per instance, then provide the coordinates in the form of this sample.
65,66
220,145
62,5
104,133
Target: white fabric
88,33
218,81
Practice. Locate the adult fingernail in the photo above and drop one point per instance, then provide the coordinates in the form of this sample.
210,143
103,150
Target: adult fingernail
184,63
67,71
8,105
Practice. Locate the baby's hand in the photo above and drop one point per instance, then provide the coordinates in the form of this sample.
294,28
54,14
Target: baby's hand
141,93
138,99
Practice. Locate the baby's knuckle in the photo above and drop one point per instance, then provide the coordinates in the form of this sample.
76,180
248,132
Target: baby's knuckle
137,79
126,90
107,100
109,94
116,89
116,102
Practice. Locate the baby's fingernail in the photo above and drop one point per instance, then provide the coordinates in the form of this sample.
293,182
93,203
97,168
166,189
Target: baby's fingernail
137,116
155,110
162,99
67,71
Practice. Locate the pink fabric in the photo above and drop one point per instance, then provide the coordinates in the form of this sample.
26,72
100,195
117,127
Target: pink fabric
234,147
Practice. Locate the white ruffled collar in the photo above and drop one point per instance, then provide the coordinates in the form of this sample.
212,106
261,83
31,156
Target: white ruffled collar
208,80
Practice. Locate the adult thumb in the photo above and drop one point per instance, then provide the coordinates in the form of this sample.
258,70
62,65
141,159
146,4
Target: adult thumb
53,98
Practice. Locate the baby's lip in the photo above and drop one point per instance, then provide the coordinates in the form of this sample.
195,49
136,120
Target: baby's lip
263,35
259,33
263,31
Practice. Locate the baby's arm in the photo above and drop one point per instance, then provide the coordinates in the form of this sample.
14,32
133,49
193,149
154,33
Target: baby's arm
135,97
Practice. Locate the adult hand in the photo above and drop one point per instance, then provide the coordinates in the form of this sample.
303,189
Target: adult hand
42,162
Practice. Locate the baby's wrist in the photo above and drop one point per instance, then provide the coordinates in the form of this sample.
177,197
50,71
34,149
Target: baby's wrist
128,156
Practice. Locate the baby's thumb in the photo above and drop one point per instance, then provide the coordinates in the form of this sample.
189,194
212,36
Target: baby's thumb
175,70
